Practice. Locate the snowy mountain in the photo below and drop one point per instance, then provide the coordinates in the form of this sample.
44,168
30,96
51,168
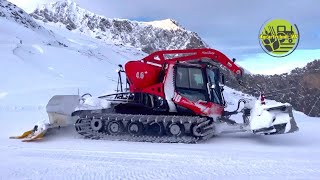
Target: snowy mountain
149,36
34,58
12,13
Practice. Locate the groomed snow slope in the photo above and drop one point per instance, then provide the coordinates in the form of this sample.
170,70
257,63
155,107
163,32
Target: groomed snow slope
32,72
63,154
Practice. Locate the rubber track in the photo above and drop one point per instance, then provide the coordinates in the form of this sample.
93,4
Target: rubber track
83,127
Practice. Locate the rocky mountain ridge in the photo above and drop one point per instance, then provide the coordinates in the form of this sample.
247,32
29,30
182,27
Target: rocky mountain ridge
148,36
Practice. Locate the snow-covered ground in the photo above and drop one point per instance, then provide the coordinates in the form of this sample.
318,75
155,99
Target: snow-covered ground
32,72
65,155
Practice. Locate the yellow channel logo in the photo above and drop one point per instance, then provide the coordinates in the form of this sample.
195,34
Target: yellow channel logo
279,37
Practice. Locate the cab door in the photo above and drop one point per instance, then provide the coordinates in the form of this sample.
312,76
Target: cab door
192,93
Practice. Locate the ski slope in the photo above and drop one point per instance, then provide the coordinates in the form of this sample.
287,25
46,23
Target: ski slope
33,71
63,154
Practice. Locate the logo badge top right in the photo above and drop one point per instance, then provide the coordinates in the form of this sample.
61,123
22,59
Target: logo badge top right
279,37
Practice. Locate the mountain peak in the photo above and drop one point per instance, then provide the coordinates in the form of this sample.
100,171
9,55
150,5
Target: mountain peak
61,3
167,24
65,6
69,3
147,36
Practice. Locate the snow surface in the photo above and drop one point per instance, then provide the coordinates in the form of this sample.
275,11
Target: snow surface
65,155
32,72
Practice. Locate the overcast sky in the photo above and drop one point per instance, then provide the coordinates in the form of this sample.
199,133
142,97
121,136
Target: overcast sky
231,26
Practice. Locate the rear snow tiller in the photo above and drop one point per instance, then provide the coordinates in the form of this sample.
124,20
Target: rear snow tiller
173,96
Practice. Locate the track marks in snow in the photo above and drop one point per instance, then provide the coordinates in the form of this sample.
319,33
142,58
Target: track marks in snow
170,163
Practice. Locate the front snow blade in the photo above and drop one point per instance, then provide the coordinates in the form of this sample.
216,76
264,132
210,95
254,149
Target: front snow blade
271,120
288,127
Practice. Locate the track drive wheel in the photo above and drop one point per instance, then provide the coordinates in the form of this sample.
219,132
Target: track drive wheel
96,124
115,127
175,129
135,128
155,129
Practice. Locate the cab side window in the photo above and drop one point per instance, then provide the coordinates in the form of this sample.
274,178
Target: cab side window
190,83
189,78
